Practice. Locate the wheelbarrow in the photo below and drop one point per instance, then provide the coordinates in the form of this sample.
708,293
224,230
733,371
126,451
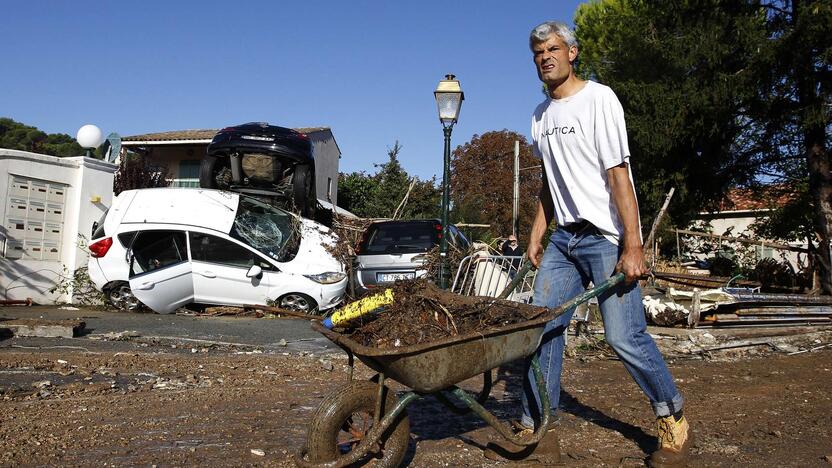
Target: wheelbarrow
364,422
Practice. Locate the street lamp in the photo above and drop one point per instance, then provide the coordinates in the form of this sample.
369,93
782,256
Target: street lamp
89,136
449,99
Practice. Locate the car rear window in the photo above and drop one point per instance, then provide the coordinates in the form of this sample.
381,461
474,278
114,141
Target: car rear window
126,238
400,238
98,226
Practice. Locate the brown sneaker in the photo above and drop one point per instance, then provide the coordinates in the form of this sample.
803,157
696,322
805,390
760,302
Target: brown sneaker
675,439
544,453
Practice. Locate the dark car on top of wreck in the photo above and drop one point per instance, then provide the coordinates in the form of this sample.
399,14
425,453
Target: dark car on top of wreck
265,161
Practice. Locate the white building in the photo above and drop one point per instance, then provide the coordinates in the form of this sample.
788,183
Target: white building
49,203
740,209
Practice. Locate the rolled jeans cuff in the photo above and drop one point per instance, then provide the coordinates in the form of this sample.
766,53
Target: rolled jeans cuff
664,408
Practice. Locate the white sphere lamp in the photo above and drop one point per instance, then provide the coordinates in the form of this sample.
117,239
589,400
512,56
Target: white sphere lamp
89,136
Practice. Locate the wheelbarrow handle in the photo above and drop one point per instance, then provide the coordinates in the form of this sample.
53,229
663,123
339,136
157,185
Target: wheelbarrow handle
614,281
520,276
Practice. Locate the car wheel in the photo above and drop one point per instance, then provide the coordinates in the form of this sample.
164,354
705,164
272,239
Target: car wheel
215,173
122,298
298,301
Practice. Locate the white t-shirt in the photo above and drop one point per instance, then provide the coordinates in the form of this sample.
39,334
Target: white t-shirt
578,138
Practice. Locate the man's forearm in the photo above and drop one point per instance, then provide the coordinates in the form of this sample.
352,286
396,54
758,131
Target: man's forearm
624,197
543,216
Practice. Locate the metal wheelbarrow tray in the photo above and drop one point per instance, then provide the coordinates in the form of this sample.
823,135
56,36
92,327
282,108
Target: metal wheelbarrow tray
433,366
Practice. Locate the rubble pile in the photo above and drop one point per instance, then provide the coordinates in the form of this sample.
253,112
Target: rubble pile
421,313
725,307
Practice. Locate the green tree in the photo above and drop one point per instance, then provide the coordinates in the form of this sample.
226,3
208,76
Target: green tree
424,200
682,71
793,115
721,94
355,192
18,136
380,194
391,182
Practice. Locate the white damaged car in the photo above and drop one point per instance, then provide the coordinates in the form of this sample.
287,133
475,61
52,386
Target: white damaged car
168,247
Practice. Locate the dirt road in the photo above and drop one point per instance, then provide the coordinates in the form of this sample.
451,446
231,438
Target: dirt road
130,403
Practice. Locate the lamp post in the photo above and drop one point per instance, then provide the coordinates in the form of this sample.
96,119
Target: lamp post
449,99
89,136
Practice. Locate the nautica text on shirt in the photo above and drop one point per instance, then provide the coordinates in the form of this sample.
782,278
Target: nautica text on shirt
561,130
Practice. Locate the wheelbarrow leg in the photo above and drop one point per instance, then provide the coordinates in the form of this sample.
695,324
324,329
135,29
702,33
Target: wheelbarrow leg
380,396
481,398
502,428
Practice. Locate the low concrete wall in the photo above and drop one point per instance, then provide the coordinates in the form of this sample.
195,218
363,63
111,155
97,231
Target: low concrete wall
88,194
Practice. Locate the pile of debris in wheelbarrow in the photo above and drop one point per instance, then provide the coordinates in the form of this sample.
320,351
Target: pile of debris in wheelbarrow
420,313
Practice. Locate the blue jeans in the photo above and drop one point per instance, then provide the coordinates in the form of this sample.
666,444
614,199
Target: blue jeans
569,263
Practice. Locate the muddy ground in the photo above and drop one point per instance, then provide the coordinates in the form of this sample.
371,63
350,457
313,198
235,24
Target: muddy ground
81,402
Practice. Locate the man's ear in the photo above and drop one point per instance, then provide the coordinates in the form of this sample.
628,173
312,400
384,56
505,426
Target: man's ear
573,53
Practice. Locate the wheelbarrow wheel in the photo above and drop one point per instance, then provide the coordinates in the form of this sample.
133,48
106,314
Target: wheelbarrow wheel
343,420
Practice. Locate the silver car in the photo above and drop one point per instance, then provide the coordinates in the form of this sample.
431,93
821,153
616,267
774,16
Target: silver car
395,250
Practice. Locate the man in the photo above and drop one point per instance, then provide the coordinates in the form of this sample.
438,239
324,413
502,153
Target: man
511,248
580,135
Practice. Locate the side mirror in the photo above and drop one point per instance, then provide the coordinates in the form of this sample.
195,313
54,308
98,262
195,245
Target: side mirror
254,272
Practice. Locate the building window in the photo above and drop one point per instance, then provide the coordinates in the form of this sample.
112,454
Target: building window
764,252
329,189
34,219
188,174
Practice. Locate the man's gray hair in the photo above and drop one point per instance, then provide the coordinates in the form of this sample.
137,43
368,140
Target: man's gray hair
542,32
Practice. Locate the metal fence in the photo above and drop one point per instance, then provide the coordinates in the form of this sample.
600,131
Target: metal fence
488,275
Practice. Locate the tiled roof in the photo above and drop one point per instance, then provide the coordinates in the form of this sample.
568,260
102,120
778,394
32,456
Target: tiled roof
765,198
203,134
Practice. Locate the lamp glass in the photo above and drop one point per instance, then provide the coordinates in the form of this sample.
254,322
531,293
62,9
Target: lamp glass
89,136
448,105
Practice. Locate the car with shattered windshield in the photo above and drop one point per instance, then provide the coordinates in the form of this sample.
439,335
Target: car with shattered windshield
169,247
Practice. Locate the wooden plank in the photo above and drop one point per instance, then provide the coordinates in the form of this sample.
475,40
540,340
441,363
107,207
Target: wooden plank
798,311
655,226
696,280
772,320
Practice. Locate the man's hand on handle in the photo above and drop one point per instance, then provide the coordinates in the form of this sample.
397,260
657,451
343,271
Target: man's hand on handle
535,253
632,264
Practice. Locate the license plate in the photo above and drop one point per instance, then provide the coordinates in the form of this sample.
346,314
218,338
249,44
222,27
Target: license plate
391,277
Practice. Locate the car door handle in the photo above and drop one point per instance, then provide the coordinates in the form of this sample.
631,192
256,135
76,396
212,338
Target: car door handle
208,274
146,285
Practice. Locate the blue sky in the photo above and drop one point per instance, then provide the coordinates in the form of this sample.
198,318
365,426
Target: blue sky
365,69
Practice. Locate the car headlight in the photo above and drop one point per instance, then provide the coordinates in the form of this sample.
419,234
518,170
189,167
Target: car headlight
328,277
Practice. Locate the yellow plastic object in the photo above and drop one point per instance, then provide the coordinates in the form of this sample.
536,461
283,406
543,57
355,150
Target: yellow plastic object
359,308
